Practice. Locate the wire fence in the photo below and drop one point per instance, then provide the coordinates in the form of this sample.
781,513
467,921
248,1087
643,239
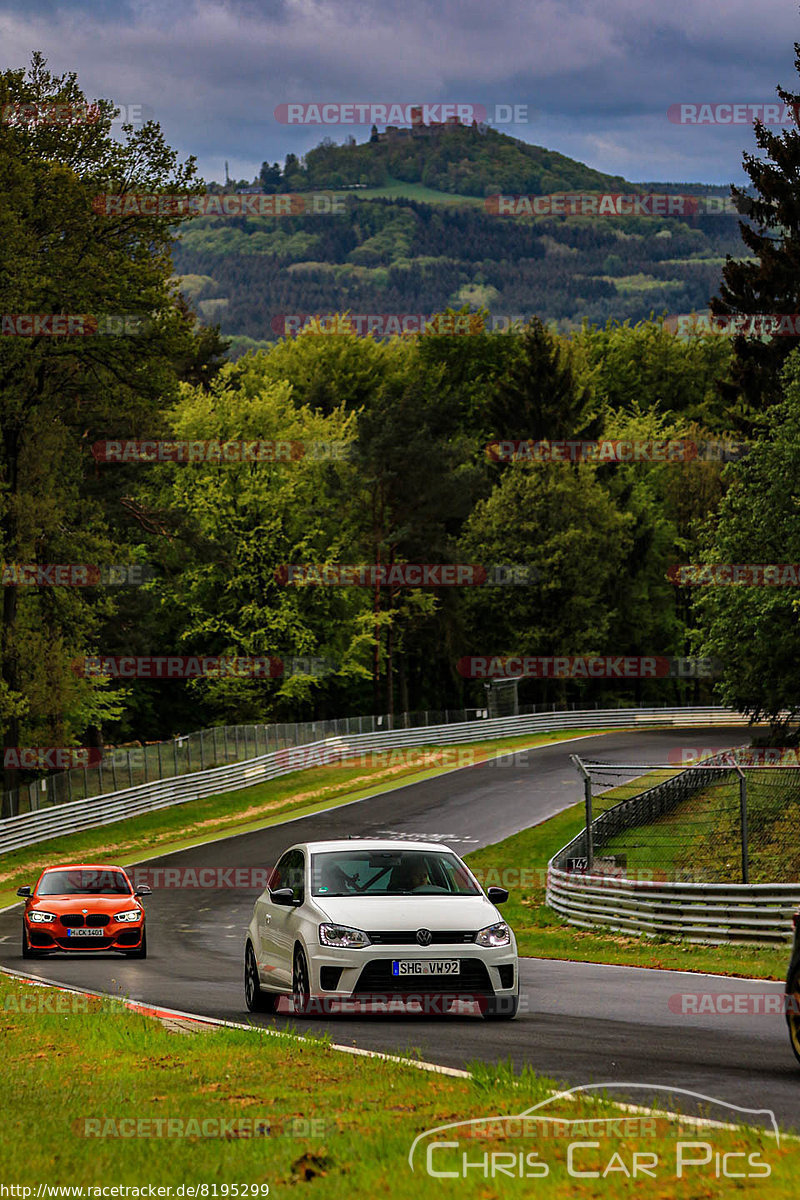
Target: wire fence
126,766
725,820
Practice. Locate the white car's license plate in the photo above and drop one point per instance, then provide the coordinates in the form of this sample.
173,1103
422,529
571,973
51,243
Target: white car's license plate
82,933
426,966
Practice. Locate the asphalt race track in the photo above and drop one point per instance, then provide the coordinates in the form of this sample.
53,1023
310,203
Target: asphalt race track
578,1022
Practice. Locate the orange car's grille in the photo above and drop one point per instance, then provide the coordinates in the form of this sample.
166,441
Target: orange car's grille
77,920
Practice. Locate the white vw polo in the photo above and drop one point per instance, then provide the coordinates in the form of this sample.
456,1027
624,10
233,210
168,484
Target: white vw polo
388,923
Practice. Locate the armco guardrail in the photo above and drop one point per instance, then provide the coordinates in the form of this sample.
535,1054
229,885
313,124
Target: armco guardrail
44,824
700,912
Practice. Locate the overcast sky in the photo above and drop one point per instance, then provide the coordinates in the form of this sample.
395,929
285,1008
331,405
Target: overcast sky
597,80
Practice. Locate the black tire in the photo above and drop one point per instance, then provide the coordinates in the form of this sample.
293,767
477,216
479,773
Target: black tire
256,999
301,987
501,1008
793,1008
141,952
26,950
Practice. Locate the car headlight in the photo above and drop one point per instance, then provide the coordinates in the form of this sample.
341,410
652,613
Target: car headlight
130,914
38,917
494,935
342,937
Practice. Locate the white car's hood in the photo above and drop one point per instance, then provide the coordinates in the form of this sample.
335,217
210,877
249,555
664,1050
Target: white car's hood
392,913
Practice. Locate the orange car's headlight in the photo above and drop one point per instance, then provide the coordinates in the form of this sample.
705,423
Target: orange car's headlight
130,914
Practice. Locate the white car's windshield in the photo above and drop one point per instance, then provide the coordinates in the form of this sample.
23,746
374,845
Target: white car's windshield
389,873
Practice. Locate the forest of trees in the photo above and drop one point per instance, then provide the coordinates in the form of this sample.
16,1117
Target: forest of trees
384,256
407,478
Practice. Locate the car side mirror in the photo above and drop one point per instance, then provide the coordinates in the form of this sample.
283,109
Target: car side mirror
284,896
497,895
24,891
144,890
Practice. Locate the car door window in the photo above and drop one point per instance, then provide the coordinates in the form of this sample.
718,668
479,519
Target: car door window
290,873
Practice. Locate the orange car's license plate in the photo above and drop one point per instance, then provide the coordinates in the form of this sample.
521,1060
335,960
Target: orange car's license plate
85,933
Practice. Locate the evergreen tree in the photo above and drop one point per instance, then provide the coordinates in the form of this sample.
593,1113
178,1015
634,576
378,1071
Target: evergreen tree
270,177
539,397
771,284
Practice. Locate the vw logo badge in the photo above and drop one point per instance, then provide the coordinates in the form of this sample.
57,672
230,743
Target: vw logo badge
424,937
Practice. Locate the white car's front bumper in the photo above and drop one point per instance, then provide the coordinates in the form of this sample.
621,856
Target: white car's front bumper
368,973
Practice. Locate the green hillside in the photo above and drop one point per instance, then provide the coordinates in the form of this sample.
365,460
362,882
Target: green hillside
462,160
402,223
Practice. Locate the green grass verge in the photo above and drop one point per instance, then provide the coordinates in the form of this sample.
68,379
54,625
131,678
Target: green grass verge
343,1125
308,791
541,933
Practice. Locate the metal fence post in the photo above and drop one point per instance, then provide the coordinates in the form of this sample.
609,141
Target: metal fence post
175,754
587,795
743,814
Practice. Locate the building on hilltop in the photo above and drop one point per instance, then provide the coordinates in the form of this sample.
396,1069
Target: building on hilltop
394,133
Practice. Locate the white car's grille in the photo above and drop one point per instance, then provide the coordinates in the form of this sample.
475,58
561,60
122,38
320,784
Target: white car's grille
408,937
